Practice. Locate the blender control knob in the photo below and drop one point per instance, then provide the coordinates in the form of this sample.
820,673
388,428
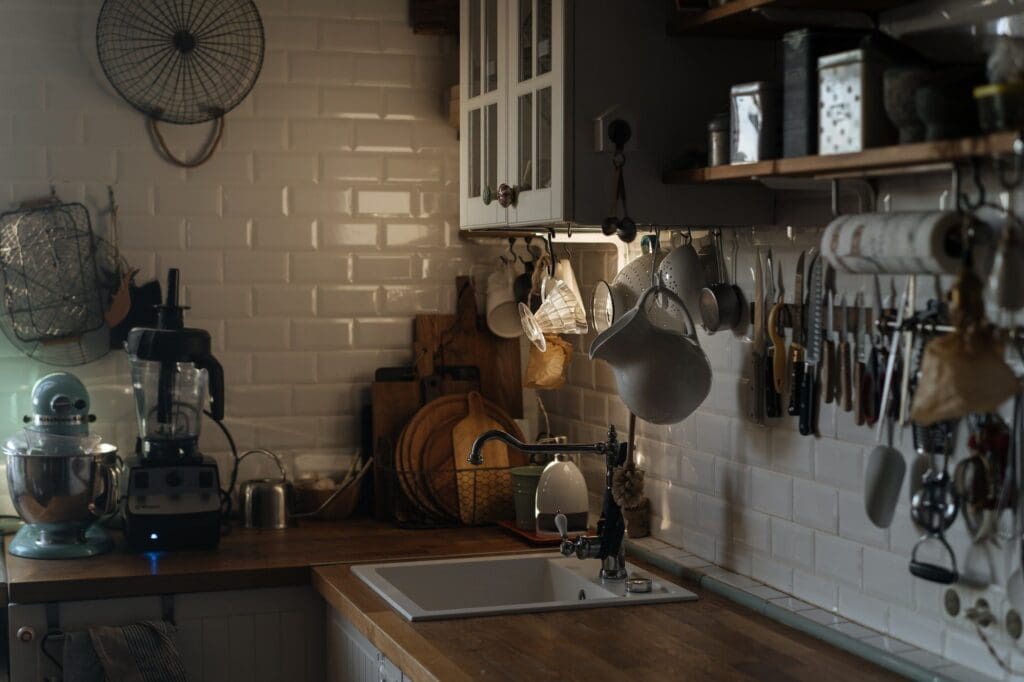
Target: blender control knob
173,479
26,634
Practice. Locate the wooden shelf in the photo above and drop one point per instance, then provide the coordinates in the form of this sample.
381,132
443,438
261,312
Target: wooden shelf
876,160
745,18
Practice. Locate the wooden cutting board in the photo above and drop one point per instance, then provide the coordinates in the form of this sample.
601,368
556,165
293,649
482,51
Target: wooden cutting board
394,404
464,339
409,464
438,458
485,492
439,454
425,455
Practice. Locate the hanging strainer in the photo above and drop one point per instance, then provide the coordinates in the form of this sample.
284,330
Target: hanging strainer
637,277
634,279
181,61
57,280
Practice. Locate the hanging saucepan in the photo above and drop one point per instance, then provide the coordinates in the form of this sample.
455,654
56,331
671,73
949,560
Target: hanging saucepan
721,303
662,375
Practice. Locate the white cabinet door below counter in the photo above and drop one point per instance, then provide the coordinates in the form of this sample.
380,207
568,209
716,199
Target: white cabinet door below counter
352,658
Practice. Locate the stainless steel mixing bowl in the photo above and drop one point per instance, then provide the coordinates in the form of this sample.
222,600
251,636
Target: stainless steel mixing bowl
58,493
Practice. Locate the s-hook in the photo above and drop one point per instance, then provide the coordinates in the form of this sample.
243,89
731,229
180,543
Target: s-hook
964,203
512,257
1006,179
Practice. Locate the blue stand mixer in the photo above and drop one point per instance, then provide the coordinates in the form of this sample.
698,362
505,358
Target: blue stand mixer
55,477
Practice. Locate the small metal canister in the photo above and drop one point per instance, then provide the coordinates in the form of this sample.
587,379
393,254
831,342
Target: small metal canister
755,122
851,116
718,140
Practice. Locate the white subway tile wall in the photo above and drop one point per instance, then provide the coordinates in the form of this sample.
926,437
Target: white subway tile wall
325,221
785,509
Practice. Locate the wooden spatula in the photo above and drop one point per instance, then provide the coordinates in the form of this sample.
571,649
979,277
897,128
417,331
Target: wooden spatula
485,492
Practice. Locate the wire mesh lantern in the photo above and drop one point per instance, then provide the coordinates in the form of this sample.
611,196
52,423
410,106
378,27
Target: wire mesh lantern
181,61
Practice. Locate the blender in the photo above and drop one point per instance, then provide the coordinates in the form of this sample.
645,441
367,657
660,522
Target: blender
56,478
173,494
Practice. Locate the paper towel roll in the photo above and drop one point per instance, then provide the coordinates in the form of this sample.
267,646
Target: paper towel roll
925,242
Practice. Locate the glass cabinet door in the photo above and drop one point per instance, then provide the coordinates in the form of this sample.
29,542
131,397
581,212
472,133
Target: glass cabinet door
484,140
535,110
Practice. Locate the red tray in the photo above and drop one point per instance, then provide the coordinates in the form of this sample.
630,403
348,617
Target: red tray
534,538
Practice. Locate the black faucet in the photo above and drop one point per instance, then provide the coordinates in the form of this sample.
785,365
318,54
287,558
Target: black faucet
608,545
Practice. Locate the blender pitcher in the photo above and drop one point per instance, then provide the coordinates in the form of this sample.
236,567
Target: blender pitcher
172,370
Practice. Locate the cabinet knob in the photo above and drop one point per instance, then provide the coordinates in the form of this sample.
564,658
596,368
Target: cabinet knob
507,195
26,634
487,196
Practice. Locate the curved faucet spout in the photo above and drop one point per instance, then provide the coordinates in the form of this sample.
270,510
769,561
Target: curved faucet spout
476,456
608,544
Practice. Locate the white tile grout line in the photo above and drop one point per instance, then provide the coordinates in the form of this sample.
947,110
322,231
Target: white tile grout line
860,640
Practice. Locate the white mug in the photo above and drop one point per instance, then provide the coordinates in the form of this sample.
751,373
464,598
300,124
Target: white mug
502,311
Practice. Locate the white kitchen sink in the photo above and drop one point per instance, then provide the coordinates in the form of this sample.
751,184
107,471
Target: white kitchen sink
521,583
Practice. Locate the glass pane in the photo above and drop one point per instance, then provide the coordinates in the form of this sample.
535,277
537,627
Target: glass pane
491,44
543,36
544,138
492,148
474,47
525,39
474,153
525,142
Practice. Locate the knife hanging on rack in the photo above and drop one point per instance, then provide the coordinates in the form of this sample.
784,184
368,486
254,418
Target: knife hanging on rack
810,388
796,348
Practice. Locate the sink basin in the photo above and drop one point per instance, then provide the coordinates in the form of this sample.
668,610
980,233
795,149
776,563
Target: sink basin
521,583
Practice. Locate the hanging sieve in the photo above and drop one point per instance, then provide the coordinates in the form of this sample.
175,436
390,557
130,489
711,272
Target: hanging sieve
57,280
181,61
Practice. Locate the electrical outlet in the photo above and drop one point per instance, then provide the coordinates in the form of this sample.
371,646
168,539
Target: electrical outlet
603,143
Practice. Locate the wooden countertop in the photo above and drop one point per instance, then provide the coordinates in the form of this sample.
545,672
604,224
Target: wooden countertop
712,638
708,639
245,559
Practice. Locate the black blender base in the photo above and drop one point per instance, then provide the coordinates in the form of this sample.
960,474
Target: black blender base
156,533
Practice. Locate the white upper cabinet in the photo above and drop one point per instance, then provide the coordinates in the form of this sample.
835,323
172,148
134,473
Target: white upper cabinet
512,66
483,68
536,112
540,80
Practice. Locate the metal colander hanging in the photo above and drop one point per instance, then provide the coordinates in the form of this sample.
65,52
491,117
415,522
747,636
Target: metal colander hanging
181,61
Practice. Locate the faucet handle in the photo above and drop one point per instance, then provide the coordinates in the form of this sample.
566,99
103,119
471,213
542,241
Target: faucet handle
562,525
568,547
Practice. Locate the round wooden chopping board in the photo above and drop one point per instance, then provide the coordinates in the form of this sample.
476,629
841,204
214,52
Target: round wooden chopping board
425,457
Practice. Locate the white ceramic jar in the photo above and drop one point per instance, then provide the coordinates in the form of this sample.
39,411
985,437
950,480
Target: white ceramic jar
562,488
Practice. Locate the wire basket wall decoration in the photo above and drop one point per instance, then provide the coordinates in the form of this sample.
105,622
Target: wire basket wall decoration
181,61
57,280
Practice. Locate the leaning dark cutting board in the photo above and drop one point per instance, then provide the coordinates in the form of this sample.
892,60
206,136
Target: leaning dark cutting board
396,394
394,403
464,339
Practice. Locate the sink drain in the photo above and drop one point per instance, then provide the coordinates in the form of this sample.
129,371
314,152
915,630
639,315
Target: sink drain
582,595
